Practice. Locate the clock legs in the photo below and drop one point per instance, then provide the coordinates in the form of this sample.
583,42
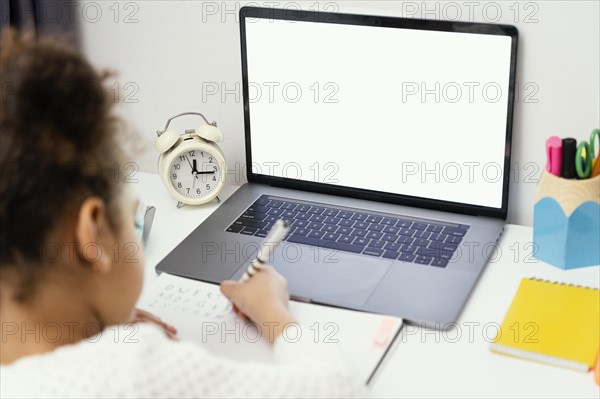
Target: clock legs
181,204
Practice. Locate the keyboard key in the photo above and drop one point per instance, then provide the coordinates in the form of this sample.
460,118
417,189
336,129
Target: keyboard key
391,229
373,251
296,238
288,220
375,227
405,240
421,234
391,254
449,247
374,219
406,232
251,223
377,244
316,210
374,235
330,212
235,228
289,206
346,223
439,262
301,223
454,231
317,218
315,226
275,204
345,239
434,228
418,226
345,214
359,233
441,251
407,257
331,236
303,208
275,212
316,234
249,231
253,216
404,223
340,246
361,225
303,216
438,237
344,230
332,220
464,227
423,260
453,239
420,242
392,246
361,241
330,228
389,221
258,209
389,237
289,214
262,233
408,249
262,201
302,232
359,216
432,252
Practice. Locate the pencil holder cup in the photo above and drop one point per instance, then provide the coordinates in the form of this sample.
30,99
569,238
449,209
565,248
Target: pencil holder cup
566,221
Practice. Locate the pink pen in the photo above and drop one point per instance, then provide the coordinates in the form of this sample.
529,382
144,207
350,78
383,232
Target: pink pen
554,155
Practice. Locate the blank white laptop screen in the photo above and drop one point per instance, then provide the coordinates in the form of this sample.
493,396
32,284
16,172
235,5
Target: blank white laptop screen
412,112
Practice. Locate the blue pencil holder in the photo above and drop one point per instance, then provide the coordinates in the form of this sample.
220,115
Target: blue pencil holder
566,221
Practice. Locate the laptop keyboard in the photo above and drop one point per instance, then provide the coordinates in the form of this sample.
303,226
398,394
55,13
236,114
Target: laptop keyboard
401,238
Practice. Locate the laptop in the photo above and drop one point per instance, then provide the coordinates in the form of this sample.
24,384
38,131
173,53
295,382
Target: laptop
386,143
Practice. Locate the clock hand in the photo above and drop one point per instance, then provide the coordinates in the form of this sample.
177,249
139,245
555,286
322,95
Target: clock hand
189,163
194,168
205,173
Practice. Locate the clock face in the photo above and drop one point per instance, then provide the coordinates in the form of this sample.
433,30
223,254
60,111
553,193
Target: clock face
195,174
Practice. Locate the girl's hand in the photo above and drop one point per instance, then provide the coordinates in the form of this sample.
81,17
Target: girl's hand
263,299
141,316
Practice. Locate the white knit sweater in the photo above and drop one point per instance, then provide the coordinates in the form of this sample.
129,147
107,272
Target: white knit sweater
154,366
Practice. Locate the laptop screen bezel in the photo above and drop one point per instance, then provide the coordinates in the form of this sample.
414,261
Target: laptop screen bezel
389,22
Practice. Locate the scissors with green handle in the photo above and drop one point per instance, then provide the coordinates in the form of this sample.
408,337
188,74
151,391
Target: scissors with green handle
584,162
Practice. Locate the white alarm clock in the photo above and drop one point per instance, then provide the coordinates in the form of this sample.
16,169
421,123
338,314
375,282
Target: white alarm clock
191,165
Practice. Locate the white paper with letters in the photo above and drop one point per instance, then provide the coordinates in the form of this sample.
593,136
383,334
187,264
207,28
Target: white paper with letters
201,314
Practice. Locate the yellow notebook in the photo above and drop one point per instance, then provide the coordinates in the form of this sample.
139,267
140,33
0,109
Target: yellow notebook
553,323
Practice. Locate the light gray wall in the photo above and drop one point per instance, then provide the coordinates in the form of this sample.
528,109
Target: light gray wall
169,54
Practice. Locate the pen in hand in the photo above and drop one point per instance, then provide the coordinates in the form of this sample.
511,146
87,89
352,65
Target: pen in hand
271,241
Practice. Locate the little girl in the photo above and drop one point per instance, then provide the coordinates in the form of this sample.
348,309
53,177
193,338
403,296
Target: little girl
67,294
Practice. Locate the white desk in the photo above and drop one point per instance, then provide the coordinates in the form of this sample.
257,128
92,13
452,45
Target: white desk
427,363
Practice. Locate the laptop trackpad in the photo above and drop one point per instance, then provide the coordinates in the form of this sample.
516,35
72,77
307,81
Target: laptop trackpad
328,276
